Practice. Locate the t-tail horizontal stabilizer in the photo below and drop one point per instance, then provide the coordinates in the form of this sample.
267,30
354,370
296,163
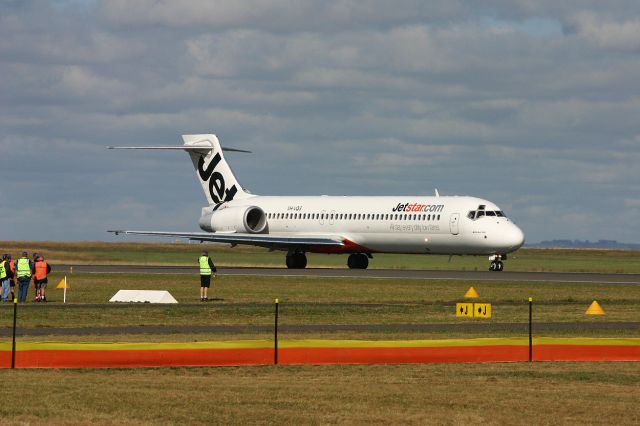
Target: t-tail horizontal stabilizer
212,170
183,148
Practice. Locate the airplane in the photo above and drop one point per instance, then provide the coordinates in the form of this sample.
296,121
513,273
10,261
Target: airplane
359,226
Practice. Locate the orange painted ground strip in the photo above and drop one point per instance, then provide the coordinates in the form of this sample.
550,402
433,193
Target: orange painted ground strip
295,352
396,355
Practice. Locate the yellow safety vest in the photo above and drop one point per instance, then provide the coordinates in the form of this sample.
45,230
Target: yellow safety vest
3,270
23,268
204,265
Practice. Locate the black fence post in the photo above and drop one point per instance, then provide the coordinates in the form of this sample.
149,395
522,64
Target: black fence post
13,341
530,329
275,336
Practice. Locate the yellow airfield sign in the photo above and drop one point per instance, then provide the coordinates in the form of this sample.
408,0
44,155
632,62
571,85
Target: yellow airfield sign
473,310
464,309
482,310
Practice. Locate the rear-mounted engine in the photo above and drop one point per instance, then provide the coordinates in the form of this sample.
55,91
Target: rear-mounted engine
248,219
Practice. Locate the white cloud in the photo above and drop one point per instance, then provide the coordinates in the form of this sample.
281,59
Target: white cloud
604,32
486,99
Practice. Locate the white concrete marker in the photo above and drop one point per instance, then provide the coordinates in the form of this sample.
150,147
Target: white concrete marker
145,296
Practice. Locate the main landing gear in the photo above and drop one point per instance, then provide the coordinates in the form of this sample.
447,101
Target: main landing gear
496,262
296,260
358,261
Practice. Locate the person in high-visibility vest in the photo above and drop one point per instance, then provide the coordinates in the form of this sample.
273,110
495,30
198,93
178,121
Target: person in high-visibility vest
12,265
6,278
207,269
34,258
40,271
23,271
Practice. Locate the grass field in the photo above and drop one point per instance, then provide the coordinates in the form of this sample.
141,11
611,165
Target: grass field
538,393
249,300
559,260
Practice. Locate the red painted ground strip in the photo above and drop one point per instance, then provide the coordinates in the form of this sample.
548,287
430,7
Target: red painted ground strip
117,358
586,353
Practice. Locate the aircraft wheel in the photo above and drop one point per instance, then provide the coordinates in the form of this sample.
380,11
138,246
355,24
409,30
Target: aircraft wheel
364,261
358,261
496,266
301,260
290,263
296,261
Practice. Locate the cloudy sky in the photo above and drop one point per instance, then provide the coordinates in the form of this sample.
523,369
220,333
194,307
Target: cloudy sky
534,105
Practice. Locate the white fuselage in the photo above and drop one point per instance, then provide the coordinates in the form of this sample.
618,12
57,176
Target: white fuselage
392,224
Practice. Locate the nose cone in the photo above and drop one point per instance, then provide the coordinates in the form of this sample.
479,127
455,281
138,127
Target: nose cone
513,238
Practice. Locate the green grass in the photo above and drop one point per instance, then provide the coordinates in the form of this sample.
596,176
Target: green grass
248,300
500,393
558,260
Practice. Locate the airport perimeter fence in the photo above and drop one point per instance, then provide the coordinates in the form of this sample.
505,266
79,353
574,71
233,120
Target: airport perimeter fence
483,341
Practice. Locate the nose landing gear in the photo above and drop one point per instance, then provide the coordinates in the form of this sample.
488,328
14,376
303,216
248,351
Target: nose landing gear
496,265
496,262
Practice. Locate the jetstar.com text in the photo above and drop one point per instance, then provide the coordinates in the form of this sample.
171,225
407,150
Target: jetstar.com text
416,207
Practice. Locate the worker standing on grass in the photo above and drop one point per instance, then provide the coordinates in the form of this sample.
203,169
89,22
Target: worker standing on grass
12,283
6,276
23,269
40,271
207,269
34,258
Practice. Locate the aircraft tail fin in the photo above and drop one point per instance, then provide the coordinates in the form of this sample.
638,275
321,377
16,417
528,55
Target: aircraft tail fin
216,177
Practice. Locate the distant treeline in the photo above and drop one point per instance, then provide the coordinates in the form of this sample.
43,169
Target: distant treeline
600,244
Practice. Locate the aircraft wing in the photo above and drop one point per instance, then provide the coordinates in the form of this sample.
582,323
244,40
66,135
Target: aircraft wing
261,240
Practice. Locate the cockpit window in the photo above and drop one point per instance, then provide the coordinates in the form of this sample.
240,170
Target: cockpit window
480,212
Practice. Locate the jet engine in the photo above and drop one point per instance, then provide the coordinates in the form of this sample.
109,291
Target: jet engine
246,219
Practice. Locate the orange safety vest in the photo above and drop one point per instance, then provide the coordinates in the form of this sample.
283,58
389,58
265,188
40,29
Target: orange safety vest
41,270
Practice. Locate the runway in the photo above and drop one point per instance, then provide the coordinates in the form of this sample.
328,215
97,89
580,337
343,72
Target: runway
400,274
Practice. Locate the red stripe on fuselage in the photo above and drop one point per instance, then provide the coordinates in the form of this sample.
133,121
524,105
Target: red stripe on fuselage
348,247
